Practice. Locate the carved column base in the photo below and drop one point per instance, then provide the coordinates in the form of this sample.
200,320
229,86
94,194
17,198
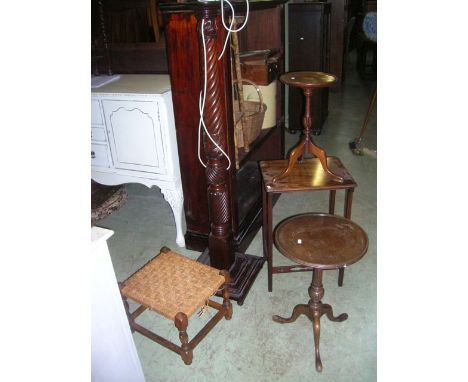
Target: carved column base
243,273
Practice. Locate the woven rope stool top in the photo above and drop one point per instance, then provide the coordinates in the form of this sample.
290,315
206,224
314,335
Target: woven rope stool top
172,283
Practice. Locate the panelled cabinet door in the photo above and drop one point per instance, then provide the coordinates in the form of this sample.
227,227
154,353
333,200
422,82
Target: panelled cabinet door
135,135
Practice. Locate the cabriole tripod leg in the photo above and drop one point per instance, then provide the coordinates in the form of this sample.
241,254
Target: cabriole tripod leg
328,311
316,293
297,311
318,361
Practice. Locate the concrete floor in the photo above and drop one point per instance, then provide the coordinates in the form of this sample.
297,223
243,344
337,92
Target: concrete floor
251,347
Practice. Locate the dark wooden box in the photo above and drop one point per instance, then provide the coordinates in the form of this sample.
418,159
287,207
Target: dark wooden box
262,72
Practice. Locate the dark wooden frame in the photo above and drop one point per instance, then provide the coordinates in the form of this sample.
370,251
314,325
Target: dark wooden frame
185,350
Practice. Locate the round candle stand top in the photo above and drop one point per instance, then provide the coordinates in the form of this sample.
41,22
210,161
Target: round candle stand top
320,241
308,79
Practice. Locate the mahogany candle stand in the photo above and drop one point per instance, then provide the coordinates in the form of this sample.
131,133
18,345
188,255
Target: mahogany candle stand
307,81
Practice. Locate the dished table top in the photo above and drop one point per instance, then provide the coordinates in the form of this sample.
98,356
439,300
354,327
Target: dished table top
321,240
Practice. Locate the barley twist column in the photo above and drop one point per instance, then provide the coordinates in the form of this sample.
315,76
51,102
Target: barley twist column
217,174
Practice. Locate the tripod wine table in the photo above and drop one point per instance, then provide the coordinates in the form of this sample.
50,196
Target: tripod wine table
321,241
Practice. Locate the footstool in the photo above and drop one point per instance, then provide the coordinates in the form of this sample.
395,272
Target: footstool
175,287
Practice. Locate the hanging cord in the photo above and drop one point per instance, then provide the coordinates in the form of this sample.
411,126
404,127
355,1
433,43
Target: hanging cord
229,29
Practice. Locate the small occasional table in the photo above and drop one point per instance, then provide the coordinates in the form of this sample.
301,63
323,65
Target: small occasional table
307,175
321,241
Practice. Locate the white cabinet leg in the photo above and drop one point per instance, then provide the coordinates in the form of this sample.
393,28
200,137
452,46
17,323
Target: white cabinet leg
176,200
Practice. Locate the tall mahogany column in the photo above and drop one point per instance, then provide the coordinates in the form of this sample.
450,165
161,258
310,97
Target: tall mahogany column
183,31
217,175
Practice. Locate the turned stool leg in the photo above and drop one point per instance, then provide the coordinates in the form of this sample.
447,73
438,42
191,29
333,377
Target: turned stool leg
181,322
226,302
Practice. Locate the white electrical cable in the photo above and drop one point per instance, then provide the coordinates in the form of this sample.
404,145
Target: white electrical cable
233,15
229,29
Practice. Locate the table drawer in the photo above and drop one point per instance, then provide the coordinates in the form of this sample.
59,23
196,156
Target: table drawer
99,155
98,134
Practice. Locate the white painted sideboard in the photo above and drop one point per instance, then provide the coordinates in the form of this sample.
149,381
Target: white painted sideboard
133,138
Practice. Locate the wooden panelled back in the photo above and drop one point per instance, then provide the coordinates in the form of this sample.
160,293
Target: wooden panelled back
128,21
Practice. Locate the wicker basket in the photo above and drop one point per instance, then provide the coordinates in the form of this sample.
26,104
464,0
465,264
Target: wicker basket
252,118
